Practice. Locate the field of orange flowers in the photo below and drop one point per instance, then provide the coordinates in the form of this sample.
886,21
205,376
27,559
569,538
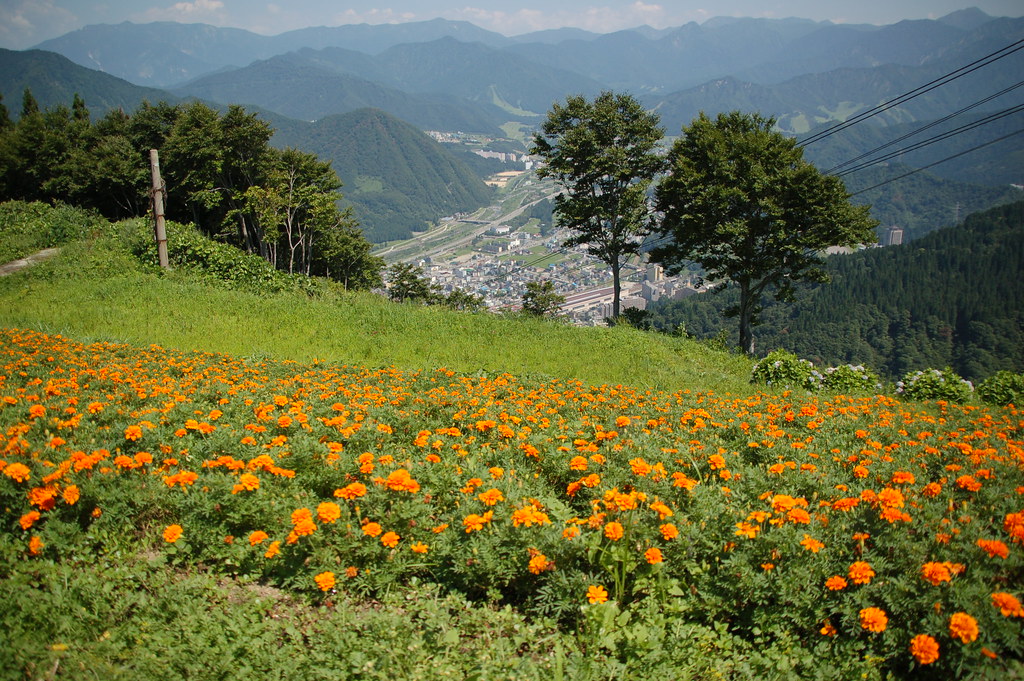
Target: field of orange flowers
860,530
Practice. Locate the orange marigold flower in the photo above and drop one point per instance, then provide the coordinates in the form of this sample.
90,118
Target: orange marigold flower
325,580
372,529
963,627
258,537
662,510
474,522
932,489
491,496
35,546
653,555
861,573
935,573
172,533
669,531
18,472
1008,604
539,563
390,539
528,516
304,527
597,594
328,512
352,491
902,478
874,619
835,583
29,519
419,547
811,544
273,550
132,433
827,629
994,548
351,572
570,533
622,421
924,648
614,531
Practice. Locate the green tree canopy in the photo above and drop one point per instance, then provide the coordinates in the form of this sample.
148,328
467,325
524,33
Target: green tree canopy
603,154
541,299
741,201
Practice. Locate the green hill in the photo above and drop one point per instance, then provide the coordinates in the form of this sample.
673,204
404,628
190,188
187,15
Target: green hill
951,298
54,81
397,177
99,288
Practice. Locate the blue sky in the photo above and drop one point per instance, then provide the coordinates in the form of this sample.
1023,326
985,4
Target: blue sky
24,23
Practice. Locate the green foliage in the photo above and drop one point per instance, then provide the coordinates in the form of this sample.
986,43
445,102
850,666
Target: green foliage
398,179
603,154
406,283
220,174
741,201
541,299
1002,388
782,370
849,379
935,384
29,227
947,299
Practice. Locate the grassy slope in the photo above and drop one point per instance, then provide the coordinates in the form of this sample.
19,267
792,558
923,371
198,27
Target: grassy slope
91,292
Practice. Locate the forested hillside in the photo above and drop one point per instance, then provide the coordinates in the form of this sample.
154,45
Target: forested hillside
952,298
398,177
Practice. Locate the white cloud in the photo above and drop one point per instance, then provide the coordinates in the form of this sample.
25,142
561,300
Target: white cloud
24,23
374,16
596,18
199,10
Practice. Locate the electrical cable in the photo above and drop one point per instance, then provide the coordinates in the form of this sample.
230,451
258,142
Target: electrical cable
930,165
916,92
924,127
935,138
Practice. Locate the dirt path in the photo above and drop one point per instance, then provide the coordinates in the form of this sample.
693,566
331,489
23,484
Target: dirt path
22,263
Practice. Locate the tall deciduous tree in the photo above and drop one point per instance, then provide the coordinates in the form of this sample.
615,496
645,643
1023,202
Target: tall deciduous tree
603,153
741,201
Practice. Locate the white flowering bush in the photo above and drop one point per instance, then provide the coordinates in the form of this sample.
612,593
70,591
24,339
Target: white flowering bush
781,369
933,384
849,378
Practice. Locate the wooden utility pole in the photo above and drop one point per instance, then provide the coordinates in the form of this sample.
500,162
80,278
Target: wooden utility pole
157,198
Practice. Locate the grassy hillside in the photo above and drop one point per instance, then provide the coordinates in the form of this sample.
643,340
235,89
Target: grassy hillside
98,290
170,511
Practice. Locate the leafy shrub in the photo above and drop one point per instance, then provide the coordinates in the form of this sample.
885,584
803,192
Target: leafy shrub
222,263
781,369
1002,388
848,378
932,384
29,227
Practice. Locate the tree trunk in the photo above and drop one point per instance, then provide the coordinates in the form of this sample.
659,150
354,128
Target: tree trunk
616,286
747,302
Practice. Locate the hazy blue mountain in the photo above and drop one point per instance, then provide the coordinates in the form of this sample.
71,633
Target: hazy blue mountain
553,36
397,178
163,54
967,19
481,73
298,87
811,99
54,80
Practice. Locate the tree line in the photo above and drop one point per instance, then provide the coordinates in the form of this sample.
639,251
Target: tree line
951,298
220,171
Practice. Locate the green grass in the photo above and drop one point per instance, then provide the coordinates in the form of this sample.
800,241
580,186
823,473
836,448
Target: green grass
95,290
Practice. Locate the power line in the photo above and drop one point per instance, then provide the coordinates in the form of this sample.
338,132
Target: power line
924,127
930,165
916,92
935,138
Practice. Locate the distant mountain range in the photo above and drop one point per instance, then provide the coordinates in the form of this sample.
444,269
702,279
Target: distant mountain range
453,76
